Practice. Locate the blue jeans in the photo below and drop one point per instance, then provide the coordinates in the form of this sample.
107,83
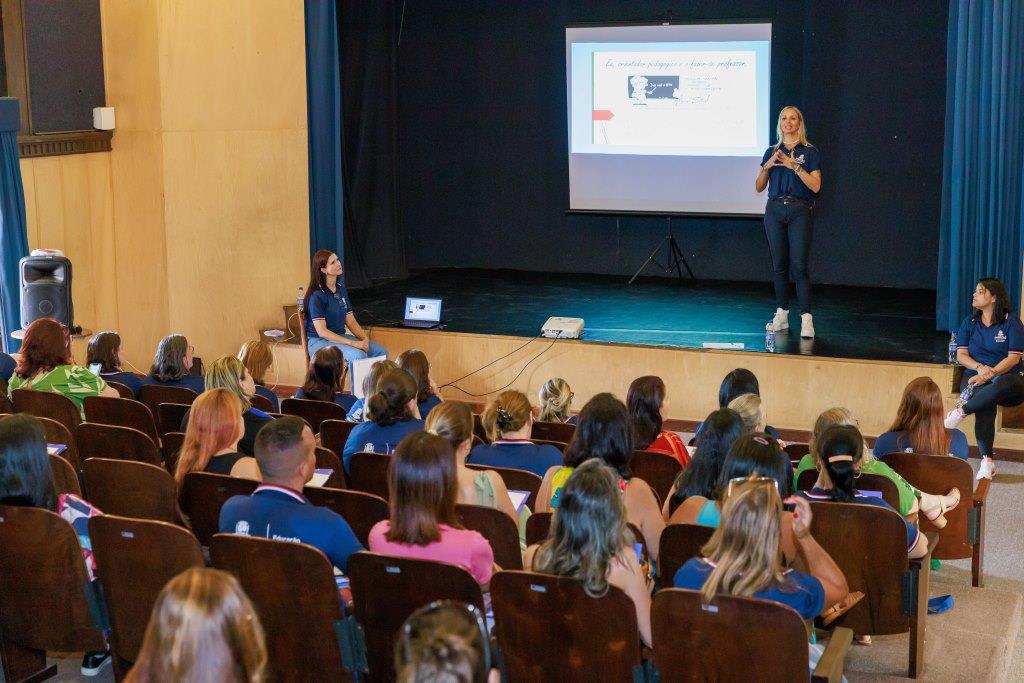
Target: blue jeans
351,353
789,228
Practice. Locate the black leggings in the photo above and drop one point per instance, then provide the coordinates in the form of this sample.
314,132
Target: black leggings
1004,390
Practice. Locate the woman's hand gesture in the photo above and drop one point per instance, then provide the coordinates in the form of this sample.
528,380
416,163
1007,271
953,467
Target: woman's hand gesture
801,516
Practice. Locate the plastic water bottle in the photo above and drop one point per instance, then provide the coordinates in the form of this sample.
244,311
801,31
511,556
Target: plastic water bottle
769,338
301,301
966,394
952,350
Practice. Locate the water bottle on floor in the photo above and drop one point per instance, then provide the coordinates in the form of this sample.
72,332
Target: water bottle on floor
952,350
769,338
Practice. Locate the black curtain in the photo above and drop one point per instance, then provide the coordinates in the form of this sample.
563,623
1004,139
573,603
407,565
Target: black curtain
368,34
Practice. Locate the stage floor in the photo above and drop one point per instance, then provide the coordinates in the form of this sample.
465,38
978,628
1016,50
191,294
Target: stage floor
851,322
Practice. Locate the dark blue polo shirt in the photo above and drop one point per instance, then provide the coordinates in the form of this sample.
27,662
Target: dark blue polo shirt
518,455
7,365
268,394
193,382
129,379
783,182
346,401
281,514
372,437
990,345
330,307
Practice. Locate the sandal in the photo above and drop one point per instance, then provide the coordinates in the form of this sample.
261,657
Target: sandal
937,516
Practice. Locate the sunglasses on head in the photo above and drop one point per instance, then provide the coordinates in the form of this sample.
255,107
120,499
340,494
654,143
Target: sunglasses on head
420,619
736,482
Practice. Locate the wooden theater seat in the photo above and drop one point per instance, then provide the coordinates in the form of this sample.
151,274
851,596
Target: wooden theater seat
169,417
172,443
261,402
121,412
326,459
313,412
202,496
334,434
368,472
110,441
123,390
657,469
56,433
361,510
516,480
679,542
553,431
47,404
500,530
155,394
132,489
65,478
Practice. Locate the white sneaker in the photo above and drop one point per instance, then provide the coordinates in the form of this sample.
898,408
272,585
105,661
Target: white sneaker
780,322
987,469
954,418
806,326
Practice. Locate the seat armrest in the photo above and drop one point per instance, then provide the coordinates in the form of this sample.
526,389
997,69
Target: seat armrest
981,493
830,666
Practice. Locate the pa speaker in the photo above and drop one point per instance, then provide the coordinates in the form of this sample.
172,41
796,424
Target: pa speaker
46,289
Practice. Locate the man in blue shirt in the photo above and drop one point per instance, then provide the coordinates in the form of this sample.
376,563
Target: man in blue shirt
277,509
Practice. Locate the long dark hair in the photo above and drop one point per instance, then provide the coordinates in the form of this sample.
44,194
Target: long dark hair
102,349
391,402
423,489
45,346
758,454
738,382
643,400
169,362
326,374
840,449
997,289
416,364
603,432
721,429
317,278
25,474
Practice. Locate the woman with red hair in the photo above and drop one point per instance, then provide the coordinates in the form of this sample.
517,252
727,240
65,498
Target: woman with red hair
47,365
215,427
919,424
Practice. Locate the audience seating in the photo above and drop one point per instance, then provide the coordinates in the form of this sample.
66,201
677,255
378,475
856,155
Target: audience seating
478,428
172,443
557,444
368,472
326,459
135,558
57,433
110,441
47,404
549,624
155,394
870,545
121,412
552,431
261,402
537,527
657,469
334,434
6,407
202,496
45,592
65,478
865,482
500,530
516,480
734,637
964,533
679,542
796,451
313,412
361,510
170,416
122,390
386,590
132,489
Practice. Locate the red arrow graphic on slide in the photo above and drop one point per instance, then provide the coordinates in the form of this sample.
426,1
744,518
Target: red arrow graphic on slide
602,115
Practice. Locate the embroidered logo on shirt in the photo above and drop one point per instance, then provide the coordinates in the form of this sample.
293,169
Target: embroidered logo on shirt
800,160
1000,337
368,448
242,528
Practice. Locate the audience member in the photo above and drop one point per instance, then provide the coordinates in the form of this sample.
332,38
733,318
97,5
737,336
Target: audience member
589,540
423,525
214,429
203,628
228,373
7,365
738,382
357,413
277,509
604,433
556,402
750,409
919,427
105,350
172,365
257,358
46,364
700,478
647,401
325,378
415,363
508,420
392,415
445,642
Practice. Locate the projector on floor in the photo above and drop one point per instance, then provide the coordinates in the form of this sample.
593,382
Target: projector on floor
562,328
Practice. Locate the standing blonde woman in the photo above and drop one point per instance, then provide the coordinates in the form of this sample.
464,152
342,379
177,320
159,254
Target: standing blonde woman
556,402
257,358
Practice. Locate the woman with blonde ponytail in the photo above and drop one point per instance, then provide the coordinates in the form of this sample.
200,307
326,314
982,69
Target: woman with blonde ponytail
508,419
556,401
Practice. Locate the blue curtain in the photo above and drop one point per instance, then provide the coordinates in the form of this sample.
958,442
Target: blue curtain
982,224
323,96
13,232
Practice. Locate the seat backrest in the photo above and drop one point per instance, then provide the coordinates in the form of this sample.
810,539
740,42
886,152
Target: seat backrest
6,406
111,441
368,472
679,542
361,510
938,474
43,583
334,434
132,489
47,404
516,480
135,558
313,412
865,482
795,451
561,446
721,641
123,390
122,412
298,617
537,527
549,624
478,428
500,530
657,469
56,432
386,590
155,394
552,431
202,496
65,478
869,544
172,443
260,402
169,417
326,459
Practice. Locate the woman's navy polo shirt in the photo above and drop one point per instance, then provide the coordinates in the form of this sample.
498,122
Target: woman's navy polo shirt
330,307
129,379
783,182
346,401
991,345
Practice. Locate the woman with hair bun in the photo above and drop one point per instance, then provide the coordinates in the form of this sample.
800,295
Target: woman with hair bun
556,402
392,415
508,419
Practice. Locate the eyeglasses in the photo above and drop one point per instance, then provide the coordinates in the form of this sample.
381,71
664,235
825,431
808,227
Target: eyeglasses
420,620
739,481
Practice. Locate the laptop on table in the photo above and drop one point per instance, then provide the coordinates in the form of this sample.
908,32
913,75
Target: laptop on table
422,313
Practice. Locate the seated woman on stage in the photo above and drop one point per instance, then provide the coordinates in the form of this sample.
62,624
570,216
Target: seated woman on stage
257,359
357,413
214,429
391,416
47,365
646,401
989,346
918,427
508,419
604,434
228,372
556,402
326,378
589,541
721,429
328,312
416,364
172,365
105,349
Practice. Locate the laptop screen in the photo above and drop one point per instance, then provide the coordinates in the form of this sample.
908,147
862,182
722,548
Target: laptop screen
428,310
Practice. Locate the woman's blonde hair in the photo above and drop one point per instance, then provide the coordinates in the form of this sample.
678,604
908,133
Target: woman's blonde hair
257,359
836,415
555,400
801,132
203,628
226,373
451,420
745,546
214,423
507,412
749,408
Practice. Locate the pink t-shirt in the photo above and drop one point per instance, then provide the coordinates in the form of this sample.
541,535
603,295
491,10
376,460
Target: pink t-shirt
461,547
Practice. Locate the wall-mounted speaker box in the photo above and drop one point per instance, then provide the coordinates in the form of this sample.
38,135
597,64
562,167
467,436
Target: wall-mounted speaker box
46,289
